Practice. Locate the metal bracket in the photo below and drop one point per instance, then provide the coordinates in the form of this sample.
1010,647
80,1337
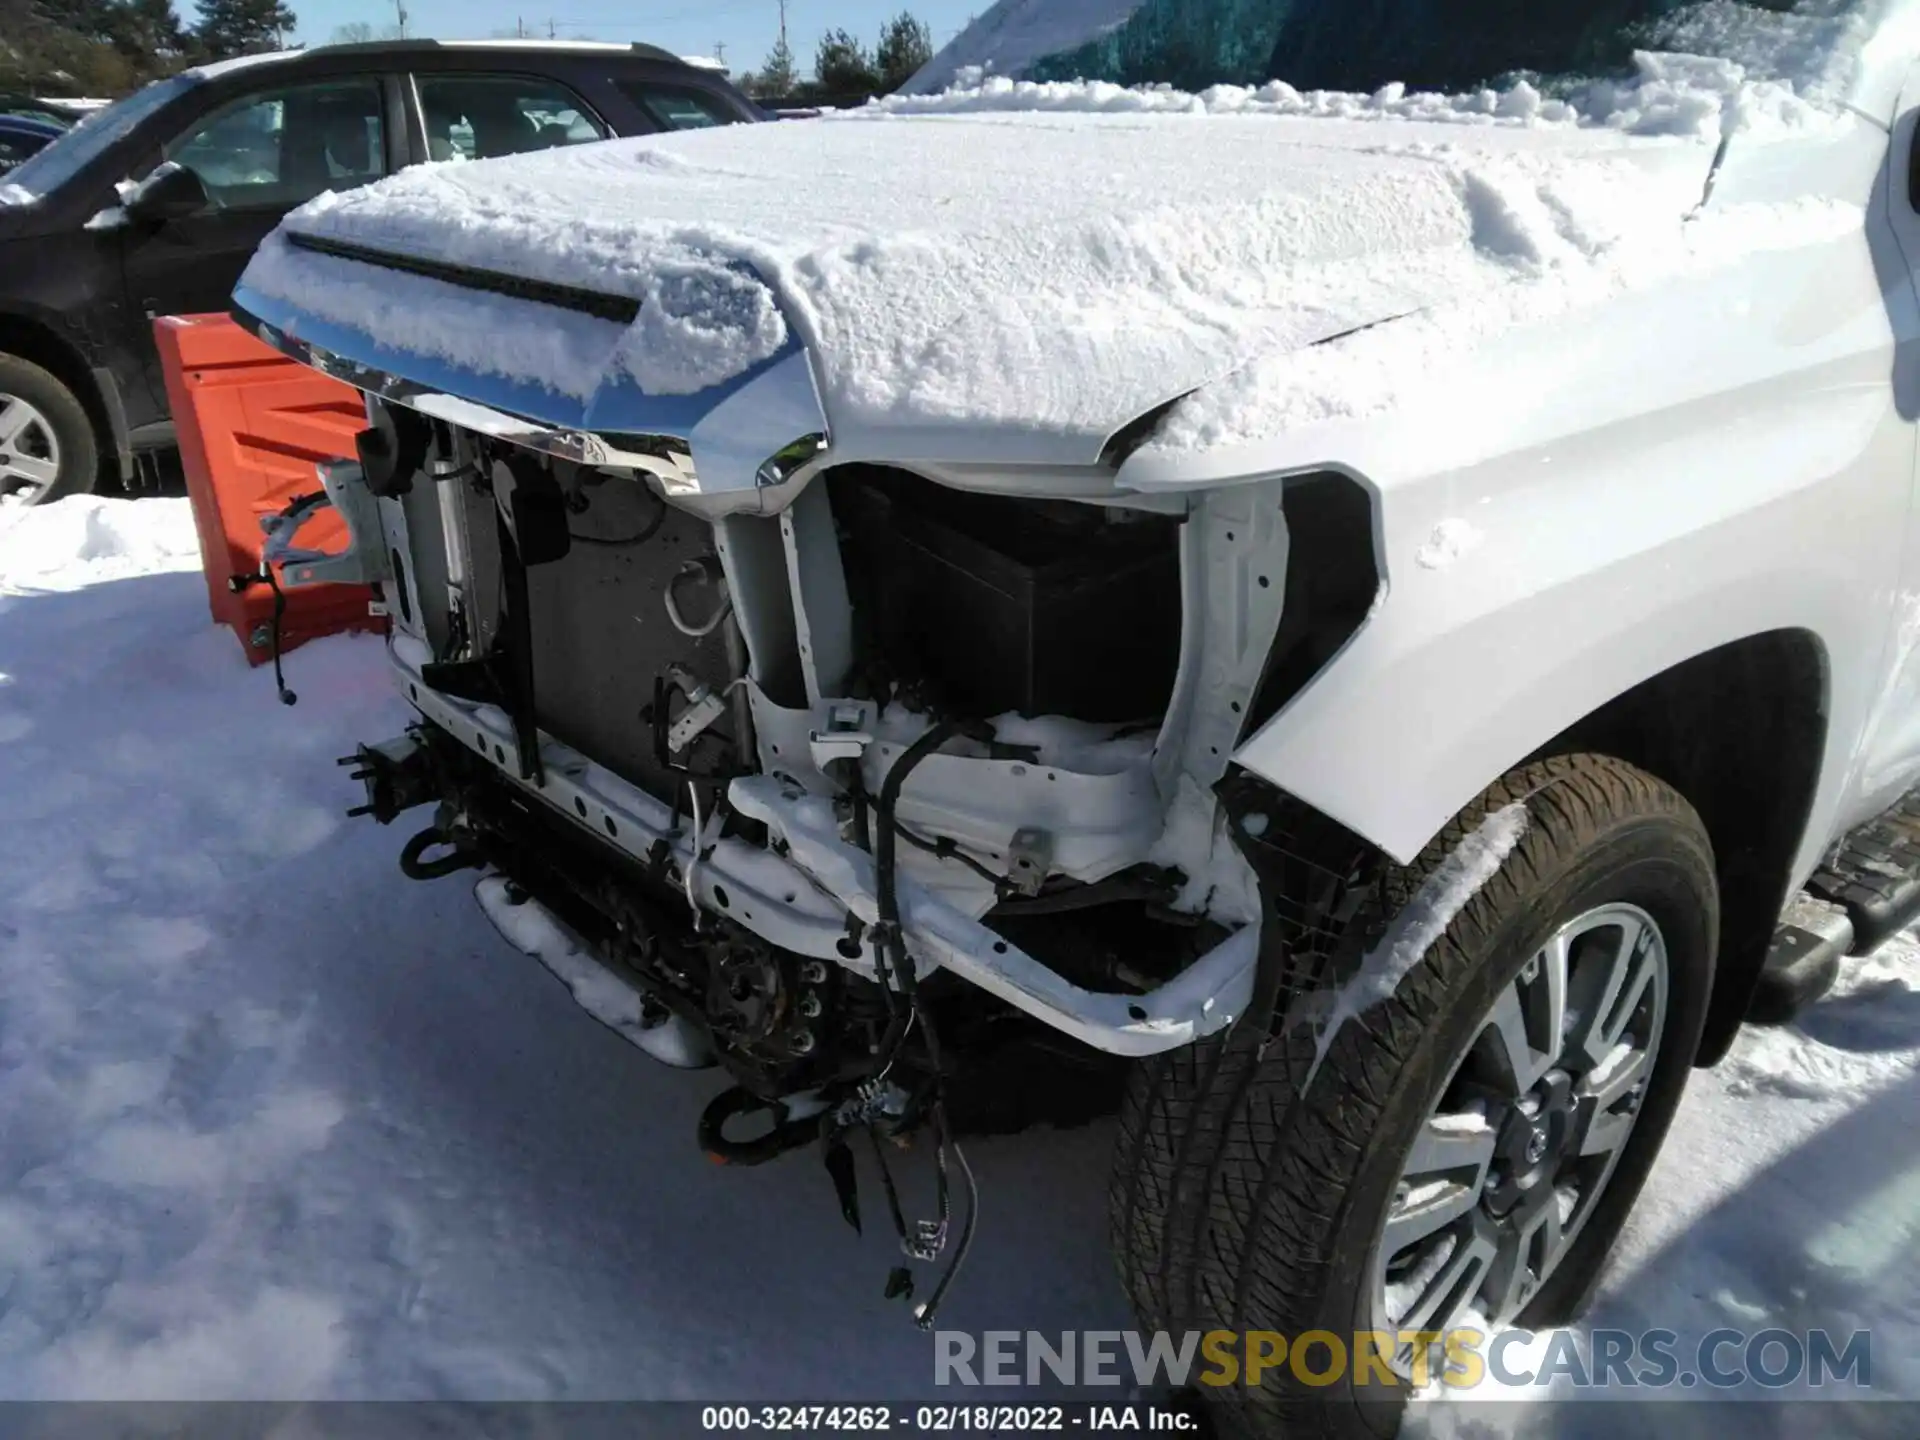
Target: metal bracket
704,706
363,562
846,736
1029,860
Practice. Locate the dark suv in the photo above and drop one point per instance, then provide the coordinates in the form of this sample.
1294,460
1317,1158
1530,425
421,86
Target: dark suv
99,233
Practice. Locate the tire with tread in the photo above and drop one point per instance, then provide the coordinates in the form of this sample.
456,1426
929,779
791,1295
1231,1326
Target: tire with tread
1242,1199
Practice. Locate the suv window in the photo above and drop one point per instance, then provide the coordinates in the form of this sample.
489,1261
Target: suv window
674,107
475,117
283,147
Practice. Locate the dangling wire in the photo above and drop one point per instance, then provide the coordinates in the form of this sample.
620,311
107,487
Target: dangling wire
693,857
925,1314
645,533
680,622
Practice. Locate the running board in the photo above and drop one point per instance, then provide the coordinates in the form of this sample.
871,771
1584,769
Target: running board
1866,891
1873,873
1803,961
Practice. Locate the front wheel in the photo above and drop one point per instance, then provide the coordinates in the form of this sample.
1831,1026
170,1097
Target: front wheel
47,446
1488,1088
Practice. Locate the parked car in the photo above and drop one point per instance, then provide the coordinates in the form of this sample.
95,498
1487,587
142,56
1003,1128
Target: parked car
21,138
1359,609
151,207
26,108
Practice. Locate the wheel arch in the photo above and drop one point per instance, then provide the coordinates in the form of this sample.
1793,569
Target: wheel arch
1741,732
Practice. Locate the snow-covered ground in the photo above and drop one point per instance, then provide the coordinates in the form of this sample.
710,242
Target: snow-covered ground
277,1123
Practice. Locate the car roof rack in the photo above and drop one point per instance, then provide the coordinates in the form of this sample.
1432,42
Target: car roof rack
407,47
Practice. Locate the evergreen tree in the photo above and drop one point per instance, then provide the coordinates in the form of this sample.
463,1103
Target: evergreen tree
905,45
841,66
242,27
147,32
776,78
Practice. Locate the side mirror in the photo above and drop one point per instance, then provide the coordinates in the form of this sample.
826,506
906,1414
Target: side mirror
171,192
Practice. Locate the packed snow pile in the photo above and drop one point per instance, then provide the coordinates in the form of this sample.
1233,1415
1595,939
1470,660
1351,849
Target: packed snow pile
1668,94
85,539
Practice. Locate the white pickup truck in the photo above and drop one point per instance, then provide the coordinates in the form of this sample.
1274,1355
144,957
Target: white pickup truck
1372,617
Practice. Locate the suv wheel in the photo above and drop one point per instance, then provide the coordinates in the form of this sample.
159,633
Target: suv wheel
47,447
1475,1121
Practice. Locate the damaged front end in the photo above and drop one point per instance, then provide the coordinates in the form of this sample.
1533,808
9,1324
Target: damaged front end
891,790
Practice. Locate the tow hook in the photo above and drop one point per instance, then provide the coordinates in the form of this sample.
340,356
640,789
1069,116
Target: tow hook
415,866
784,1134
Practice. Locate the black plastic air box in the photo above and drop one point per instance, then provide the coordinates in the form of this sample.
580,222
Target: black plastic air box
996,604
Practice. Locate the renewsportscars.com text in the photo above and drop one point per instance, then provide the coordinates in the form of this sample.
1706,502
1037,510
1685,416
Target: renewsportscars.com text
1462,1359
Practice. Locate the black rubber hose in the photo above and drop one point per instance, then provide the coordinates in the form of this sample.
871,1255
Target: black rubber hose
784,1136
454,861
886,879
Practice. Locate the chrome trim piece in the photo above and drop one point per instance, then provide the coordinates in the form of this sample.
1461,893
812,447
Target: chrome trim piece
727,446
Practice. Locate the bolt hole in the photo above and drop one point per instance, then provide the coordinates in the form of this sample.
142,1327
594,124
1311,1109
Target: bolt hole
720,896
789,897
999,947
1229,534
1138,1012
612,829
848,947
500,754
1214,748
1052,776
774,748
1264,582
581,806
1236,707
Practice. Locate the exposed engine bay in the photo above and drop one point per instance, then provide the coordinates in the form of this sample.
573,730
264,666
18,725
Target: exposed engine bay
894,798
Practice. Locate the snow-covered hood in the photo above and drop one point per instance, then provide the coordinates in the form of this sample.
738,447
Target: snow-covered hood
973,287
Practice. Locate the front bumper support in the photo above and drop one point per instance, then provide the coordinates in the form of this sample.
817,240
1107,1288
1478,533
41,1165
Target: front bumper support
801,901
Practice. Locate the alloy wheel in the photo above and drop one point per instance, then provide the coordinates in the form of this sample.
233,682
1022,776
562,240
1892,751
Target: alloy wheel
29,453
1521,1142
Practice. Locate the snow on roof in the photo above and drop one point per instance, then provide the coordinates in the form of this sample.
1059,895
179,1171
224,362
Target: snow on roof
705,62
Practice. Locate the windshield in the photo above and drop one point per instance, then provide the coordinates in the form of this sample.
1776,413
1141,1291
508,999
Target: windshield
1450,46
73,151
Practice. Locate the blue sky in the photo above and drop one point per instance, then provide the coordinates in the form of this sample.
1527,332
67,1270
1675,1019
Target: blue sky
746,27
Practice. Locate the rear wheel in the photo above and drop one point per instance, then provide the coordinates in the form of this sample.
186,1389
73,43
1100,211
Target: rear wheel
47,446
1479,1114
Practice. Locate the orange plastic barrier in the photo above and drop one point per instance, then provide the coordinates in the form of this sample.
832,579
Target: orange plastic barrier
252,425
